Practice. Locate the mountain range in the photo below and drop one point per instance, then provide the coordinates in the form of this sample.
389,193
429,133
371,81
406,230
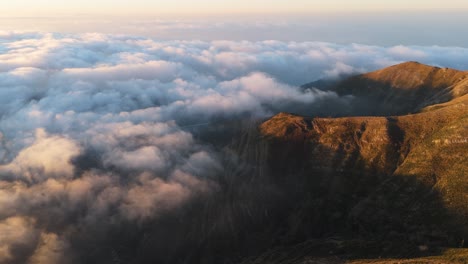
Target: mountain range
390,183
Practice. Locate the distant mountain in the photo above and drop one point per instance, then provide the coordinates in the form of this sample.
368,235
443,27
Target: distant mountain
398,180
400,89
324,84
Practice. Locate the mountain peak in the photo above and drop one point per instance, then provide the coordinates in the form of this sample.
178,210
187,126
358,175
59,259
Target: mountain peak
411,66
416,76
412,74
412,63
406,87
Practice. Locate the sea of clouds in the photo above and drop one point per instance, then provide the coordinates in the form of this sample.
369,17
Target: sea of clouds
94,129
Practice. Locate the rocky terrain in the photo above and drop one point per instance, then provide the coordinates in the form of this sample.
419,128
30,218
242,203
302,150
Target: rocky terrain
385,185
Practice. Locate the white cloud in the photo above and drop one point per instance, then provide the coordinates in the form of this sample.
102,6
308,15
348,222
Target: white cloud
50,249
46,157
18,236
152,70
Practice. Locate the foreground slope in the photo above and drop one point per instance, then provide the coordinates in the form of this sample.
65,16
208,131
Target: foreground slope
431,146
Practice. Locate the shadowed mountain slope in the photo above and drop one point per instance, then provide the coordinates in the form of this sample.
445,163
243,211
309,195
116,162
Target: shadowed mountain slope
431,146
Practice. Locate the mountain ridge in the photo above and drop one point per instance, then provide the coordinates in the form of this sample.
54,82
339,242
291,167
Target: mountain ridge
398,177
400,89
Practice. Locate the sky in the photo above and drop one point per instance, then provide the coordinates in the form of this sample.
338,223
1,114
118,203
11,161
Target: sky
384,23
110,7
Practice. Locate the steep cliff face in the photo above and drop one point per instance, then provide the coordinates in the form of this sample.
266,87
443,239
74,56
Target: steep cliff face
431,146
339,144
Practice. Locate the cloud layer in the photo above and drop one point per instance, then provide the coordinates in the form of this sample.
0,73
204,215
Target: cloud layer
95,130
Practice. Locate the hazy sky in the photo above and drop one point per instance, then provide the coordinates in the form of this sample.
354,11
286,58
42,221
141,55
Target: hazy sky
19,7
382,22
